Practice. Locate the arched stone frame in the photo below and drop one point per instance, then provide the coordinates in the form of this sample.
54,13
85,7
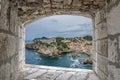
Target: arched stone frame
26,18
31,10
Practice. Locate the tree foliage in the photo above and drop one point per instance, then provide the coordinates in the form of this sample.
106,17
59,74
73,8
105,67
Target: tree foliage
89,38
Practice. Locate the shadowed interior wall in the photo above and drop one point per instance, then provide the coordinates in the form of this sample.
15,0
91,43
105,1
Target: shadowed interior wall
107,41
11,41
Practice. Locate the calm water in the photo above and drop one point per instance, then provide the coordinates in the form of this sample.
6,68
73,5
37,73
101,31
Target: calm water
64,60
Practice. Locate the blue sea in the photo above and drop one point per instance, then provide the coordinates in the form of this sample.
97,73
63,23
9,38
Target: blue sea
65,60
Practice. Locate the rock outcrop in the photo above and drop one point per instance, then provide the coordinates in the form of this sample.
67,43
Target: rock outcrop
58,46
87,61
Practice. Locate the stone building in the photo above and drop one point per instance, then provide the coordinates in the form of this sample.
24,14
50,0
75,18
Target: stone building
15,14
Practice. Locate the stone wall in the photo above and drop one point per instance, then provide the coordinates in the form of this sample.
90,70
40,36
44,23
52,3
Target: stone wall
11,41
21,45
107,41
30,10
106,29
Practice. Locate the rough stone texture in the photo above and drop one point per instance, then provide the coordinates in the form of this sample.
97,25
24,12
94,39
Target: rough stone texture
102,69
79,76
9,58
33,72
5,13
113,20
14,14
107,32
30,10
112,48
21,46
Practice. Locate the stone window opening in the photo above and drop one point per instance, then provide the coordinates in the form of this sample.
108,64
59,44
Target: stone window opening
58,36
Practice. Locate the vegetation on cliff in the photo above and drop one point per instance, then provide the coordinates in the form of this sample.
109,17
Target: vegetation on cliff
48,47
89,38
59,45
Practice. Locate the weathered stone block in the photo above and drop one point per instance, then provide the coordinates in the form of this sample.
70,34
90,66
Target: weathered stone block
93,77
64,76
2,76
102,64
21,32
8,46
101,75
57,0
96,34
93,26
57,6
102,47
76,3
21,44
113,21
79,76
117,74
114,73
94,55
5,15
47,6
14,68
111,72
97,18
94,45
46,1
7,69
98,46
95,66
21,55
31,0
100,16
112,49
13,20
67,2
102,30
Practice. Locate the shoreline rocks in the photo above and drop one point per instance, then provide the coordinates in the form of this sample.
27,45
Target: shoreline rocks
57,46
87,61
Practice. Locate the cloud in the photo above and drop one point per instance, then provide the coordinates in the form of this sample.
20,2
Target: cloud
73,33
78,27
67,28
64,26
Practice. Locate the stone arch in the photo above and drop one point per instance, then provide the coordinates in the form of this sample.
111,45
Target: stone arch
29,10
36,17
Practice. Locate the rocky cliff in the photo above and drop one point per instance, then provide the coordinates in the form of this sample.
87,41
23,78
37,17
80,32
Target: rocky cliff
57,46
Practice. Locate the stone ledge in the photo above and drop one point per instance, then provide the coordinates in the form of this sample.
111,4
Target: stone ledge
57,68
36,72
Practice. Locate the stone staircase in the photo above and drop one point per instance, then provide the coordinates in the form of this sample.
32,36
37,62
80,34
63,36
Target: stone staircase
35,72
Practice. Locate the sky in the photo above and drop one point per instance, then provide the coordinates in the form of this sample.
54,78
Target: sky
59,26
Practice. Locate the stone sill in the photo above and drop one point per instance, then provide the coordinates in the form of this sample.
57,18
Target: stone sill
57,68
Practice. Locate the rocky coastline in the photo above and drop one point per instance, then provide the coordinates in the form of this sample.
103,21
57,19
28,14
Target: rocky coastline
54,47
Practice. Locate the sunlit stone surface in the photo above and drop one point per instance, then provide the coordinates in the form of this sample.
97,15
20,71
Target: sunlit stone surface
34,72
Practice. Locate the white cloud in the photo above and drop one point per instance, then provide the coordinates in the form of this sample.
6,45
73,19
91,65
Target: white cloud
80,27
67,28
63,25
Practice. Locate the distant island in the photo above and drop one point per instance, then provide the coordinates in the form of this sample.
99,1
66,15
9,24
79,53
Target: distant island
59,45
54,47
43,38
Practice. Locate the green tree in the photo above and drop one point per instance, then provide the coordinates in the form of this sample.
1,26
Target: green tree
89,38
